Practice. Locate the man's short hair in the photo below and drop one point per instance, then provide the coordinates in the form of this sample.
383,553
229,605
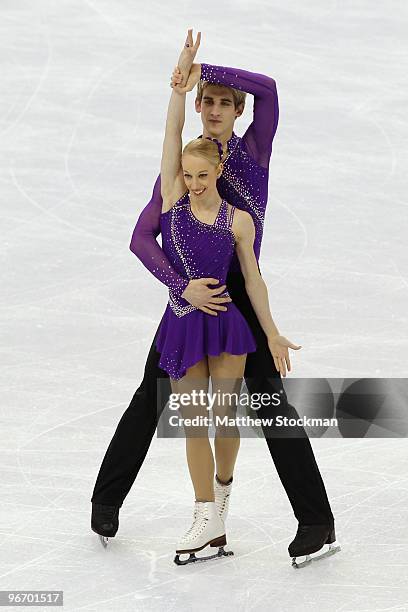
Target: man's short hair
239,96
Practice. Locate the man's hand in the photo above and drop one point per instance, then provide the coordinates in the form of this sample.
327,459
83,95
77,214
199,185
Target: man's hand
202,297
278,345
188,54
193,77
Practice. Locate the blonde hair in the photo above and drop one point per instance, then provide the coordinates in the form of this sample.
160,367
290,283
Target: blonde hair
239,96
202,147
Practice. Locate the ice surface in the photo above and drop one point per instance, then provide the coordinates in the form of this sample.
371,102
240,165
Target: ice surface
84,93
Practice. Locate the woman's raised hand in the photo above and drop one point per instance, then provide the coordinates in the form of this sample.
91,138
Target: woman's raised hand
188,54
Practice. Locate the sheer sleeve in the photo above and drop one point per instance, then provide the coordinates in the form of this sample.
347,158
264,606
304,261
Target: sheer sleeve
145,246
259,135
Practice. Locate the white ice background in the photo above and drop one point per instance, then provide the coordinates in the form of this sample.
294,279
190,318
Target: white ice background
84,89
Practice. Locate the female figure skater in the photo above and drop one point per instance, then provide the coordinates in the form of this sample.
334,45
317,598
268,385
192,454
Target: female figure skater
200,231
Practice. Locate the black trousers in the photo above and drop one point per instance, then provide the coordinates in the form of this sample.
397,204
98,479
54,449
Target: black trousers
290,449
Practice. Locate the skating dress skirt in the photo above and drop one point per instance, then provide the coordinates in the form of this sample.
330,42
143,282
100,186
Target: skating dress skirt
198,250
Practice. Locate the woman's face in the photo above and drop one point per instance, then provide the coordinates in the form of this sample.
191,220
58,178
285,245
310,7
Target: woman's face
200,175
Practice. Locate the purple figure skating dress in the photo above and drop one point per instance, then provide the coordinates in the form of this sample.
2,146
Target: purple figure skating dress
198,250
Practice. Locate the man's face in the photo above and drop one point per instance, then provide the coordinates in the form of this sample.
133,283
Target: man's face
217,109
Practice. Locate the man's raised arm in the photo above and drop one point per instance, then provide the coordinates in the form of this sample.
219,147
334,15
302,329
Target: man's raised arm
259,136
145,246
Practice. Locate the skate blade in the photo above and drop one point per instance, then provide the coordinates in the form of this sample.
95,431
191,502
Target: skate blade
103,540
326,551
180,558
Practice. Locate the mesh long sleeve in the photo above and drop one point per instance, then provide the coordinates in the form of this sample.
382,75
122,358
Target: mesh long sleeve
145,246
259,135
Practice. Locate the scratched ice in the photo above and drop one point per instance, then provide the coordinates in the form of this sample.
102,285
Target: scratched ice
84,87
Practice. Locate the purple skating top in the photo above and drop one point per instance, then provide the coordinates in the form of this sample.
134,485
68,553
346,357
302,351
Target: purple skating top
196,249
244,180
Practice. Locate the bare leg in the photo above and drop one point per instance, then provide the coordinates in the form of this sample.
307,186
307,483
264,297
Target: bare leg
226,373
200,457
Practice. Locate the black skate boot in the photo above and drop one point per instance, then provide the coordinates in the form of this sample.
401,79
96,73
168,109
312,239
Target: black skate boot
105,521
312,542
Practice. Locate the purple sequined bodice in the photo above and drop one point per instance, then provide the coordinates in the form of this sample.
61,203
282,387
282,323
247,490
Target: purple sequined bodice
245,184
196,249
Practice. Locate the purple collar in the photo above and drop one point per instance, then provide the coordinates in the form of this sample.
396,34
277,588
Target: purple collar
231,143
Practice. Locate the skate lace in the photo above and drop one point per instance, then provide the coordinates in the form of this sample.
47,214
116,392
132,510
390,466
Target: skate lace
225,501
197,527
223,504
222,498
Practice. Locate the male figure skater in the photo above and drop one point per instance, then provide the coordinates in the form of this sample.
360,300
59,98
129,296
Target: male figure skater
244,183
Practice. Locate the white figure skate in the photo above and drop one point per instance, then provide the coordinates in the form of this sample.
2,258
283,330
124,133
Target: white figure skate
207,530
222,494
